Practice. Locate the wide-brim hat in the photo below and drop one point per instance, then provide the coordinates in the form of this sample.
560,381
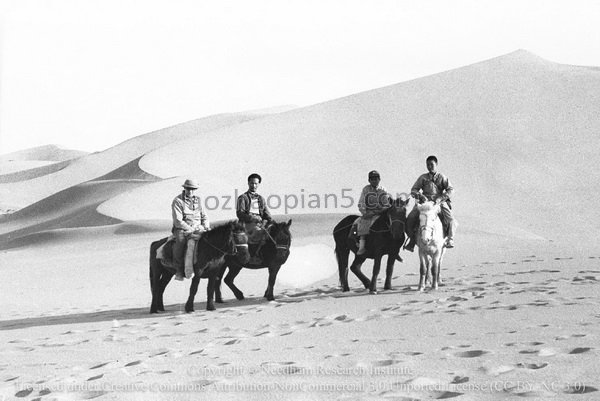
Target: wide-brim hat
190,184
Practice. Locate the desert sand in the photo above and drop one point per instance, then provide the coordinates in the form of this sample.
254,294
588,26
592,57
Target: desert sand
517,317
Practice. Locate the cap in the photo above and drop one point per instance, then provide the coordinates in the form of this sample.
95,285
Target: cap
374,174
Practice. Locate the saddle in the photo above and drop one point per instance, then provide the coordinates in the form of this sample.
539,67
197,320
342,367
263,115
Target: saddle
353,234
165,253
257,237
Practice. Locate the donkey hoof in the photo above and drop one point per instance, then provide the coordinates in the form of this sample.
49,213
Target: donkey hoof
239,297
387,287
373,292
219,301
210,307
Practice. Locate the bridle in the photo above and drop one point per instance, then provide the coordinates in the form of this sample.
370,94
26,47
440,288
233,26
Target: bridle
389,224
233,250
285,247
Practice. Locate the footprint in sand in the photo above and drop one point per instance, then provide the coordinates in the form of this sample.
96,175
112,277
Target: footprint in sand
386,362
532,366
579,388
24,393
471,354
283,368
459,380
497,370
95,377
579,350
159,352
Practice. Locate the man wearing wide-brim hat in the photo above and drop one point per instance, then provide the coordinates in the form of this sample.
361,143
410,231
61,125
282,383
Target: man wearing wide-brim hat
188,218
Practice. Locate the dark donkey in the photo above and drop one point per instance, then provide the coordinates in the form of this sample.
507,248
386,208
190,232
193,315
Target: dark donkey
226,239
273,254
386,237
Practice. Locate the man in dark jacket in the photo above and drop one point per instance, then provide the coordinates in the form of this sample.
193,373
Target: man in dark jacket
251,209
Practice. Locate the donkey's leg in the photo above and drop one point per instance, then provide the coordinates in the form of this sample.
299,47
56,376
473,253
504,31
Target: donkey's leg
422,271
376,269
355,268
218,280
341,254
273,270
189,305
439,280
155,294
165,279
234,270
435,260
389,271
210,291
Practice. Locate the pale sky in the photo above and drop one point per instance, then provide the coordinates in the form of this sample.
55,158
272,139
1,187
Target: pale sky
88,75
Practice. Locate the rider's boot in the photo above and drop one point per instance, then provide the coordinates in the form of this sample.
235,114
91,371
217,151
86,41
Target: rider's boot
449,243
179,273
410,246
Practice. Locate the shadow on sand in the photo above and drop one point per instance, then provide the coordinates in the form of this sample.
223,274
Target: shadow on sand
179,308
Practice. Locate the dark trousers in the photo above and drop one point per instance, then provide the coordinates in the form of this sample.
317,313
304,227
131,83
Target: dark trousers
179,249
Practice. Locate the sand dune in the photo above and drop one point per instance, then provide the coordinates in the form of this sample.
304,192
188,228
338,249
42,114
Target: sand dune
48,153
28,191
516,316
503,129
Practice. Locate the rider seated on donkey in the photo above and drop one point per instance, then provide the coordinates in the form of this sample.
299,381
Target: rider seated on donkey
189,220
374,200
251,209
431,186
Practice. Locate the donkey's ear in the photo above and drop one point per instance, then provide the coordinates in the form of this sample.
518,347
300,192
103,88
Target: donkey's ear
289,223
401,202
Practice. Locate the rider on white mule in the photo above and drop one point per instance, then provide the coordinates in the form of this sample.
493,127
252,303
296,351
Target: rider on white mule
432,186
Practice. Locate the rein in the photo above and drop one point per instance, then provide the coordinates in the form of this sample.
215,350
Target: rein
389,226
222,251
277,246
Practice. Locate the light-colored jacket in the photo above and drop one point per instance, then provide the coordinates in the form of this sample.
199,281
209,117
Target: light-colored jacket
374,201
433,186
188,214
